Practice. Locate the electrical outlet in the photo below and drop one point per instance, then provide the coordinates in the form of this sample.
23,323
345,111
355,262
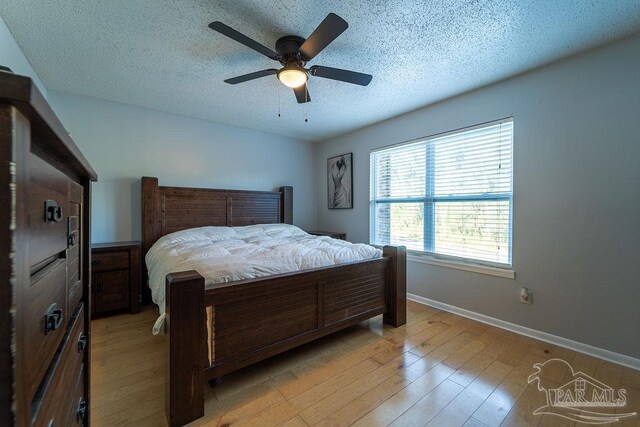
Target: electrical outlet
526,296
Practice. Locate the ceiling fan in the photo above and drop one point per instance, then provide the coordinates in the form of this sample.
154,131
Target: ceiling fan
293,52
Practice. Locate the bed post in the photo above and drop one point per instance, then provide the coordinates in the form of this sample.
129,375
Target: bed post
151,226
186,347
396,314
287,205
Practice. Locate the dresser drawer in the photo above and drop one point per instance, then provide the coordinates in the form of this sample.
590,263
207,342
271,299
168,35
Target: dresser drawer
44,319
78,409
110,261
74,295
74,284
73,265
60,393
74,251
47,232
73,220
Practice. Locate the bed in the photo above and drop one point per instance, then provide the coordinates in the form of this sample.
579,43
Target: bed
217,328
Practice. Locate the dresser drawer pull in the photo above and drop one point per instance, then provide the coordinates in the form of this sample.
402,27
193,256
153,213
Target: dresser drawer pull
82,342
71,241
52,319
52,211
81,412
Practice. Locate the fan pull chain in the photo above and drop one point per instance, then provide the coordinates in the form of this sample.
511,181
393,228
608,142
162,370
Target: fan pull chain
306,101
278,83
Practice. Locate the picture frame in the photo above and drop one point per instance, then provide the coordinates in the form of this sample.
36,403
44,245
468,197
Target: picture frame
340,181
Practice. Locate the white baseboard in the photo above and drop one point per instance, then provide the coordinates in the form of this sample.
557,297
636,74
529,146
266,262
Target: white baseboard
620,359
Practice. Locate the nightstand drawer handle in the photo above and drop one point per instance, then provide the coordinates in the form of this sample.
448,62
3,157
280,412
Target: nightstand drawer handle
82,342
72,240
52,319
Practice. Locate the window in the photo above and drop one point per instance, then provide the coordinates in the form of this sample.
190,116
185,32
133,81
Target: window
449,194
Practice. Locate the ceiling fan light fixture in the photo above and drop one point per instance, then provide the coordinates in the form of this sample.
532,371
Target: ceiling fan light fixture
293,76
293,53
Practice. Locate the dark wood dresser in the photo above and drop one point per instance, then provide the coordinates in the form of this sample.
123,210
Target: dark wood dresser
115,277
45,190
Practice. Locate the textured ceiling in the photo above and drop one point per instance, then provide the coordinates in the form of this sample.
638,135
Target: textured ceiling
162,55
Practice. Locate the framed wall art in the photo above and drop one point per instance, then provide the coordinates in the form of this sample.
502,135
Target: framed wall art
340,181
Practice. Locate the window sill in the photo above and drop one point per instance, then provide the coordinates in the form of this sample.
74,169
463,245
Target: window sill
458,265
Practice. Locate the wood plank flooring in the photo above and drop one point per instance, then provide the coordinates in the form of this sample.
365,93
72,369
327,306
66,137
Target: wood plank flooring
439,369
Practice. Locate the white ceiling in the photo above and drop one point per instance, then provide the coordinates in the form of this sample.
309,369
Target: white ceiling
162,55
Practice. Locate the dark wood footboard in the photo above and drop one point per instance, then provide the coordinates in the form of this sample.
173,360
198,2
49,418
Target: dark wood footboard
256,319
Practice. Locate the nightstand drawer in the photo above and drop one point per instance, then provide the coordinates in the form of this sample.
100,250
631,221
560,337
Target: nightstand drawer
113,286
110,261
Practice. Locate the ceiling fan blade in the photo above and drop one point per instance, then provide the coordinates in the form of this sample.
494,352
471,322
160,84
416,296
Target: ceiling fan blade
251,76
302,94
342,75
241,38
328,30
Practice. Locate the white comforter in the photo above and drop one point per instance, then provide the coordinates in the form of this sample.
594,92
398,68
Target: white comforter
223,254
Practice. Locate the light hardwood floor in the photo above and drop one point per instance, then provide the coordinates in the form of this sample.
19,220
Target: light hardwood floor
440,369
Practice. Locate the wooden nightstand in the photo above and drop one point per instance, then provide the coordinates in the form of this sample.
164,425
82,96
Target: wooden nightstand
332,234
115,277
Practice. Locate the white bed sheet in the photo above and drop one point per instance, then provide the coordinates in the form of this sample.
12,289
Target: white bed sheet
223,254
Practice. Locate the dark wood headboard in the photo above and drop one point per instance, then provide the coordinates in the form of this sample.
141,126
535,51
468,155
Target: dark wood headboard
169,209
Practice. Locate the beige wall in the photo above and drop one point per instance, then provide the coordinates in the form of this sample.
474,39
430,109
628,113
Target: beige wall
576,223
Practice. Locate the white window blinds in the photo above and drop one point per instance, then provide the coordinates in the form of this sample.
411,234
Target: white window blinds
449,194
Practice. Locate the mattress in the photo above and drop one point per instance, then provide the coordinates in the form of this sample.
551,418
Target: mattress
224,254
